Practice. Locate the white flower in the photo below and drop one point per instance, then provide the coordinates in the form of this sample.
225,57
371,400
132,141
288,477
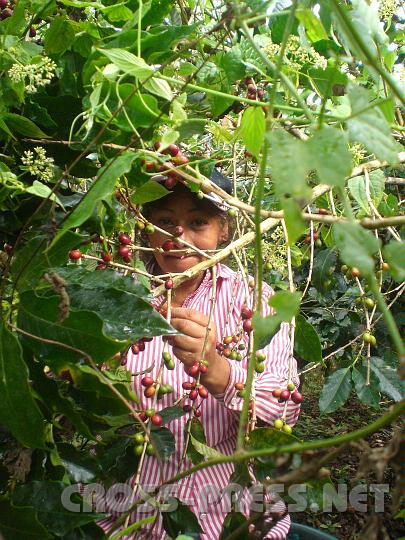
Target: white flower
34,75
39,165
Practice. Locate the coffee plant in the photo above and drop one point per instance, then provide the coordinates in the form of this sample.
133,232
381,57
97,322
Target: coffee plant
105,107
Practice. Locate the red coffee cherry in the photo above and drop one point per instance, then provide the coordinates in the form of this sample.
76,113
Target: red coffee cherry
135,348
75,254
193,394
203,392
157,420
147,381
173,150
169,284
106,256
203,369
156,145
168,245
187,407
197,413
277,393
247,325
101,266
246,312
123,251
170,182
194,370
285,395
149,392
32,32
297,397
188,385
178,230
124,239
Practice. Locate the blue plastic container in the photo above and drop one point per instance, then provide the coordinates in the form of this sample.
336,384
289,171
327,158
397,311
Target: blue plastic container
303,532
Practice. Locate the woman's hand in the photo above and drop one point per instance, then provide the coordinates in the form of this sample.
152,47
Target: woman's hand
188,347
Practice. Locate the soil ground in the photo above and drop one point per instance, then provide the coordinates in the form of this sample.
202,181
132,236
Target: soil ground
347,525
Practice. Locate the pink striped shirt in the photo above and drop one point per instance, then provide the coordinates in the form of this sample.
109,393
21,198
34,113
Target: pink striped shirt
220,414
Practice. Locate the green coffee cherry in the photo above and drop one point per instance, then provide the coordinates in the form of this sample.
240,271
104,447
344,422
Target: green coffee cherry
278,424
259,367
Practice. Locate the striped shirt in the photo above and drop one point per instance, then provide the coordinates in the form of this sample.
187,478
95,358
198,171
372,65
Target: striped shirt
219,414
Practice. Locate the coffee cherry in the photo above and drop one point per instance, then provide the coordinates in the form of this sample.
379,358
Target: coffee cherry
203,369
106,256
227,352
156,145
200,195
188,385
178,230
285,395
297,397
239,386
241,347
278,424
157,420
141,345
138,449
307,239
124,251
197,413
259,367
187,407
261,93
219,347
169,284
369,303
135,348
227,340
140,225
356,272
3,4
166,356
277,393
251,88
260,357
247,325
344,268
385,266
6,13
173,150
75,254
323,211
170,364
203,392
101,266
233,355
373,341
246,313
180,159
193,394
367,337
287,429
291,386
168,245
149,392
32,33
249,80
194,370
149,228
139,438
147,381
150,449
232,212
124,239
170,182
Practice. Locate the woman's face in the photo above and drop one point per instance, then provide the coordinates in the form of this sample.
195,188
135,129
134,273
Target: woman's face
200,229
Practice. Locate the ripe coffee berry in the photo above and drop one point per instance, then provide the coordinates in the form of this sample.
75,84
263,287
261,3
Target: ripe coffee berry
277,393
157,420
247,325
173,150
239,386
355,272
285,395
123,251
194,370
188,385
101,266
147,381
203,392
169,284
149,392
246,313
135,348
168,245
193,394
297,397
32,32
106,256
3,4
170,182
187,407
197,413
156,145
178,230
203,369
124,239
75,254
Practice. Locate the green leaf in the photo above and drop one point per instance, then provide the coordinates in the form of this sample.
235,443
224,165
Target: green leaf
18,409
394,255
286,304
81,330
269,437
30,263
313,26
336,390
41,190
370,127
80,465
324,266
356,246
389,380
142,109
117,460
171,413
181,520
294,221
23,126
205,450
252,129
233,520
197,431
190,127
330,156
125,313
231,62
307,344
150,191
46,498
159,87
101,188
357,188
20,523
128,62
163,441
368,393
59,36
288,162
265,328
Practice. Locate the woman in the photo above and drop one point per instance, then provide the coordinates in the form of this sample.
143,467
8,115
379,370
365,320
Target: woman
204,225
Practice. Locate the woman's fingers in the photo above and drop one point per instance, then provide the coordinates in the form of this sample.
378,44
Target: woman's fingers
190,315
188,327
